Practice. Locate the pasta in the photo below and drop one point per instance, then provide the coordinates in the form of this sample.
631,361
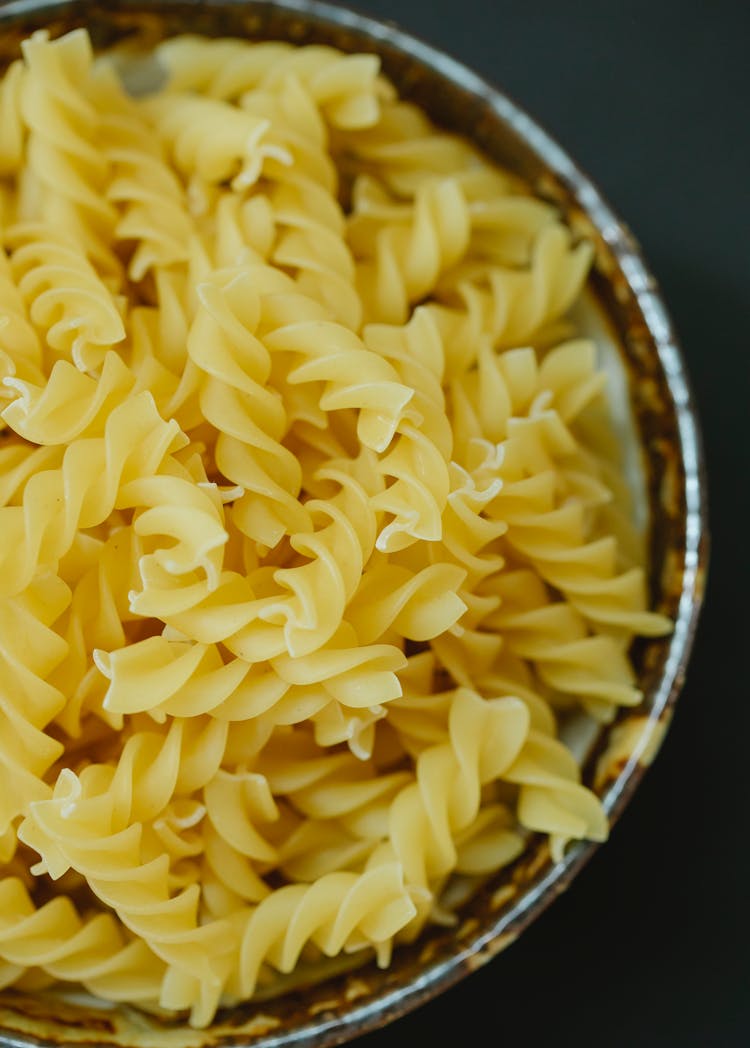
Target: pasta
312,533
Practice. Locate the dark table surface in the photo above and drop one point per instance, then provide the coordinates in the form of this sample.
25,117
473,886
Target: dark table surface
651,945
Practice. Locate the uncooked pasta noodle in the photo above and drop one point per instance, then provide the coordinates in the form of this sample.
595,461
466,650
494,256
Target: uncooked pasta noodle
310,542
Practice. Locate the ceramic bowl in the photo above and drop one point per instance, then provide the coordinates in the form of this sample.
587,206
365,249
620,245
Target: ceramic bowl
659,431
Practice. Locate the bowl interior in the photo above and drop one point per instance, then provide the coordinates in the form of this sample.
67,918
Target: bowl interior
658,433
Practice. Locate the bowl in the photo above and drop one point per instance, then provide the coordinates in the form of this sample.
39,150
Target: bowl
658,427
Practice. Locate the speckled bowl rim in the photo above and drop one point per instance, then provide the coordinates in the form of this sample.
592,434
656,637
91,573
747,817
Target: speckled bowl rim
356,1019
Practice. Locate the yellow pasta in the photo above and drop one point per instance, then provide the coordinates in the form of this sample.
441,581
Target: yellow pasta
312,531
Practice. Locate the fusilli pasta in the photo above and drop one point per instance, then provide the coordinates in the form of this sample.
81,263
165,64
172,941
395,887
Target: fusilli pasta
313,535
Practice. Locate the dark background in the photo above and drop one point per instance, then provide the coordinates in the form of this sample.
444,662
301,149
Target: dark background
651,945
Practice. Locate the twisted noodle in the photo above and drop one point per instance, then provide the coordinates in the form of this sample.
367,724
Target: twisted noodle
92,824
551,798
346,88
249,415
511,306
339,911
404,149
553,538
239,153
418,463
30,650
83,491
352,375
64,166
148,195
70,404
94,952
188,679
302,198
21,355
66,297
403,255
314,528
239,224
553,636
483,740
100,574
158,356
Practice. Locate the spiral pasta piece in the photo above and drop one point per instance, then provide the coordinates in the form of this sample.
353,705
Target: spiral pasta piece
234,803
402,258
184,679
417,353
148,195
392,807
485,738
354,674
352,376
21,356
338,787
339,911
403,150
100,575
416,468
553,637
30,651
511,306
20,461
552,799
240,225
62,153
92,471
249,415
255,623
55,939
90,824
320,847
553,539
230,878
346,88
189,518
418,605
70,404
466,533
65,296
418,495
239,153
536,447
341,691
302,198
158,356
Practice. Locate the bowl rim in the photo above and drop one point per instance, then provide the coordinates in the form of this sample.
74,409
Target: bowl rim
389,1004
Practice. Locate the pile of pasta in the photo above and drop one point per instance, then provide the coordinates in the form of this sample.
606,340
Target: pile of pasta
310,532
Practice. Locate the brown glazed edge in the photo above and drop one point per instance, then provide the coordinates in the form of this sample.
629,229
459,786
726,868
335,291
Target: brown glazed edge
348,1006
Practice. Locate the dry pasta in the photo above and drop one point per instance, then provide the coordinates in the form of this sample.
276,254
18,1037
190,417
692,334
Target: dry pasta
311,530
